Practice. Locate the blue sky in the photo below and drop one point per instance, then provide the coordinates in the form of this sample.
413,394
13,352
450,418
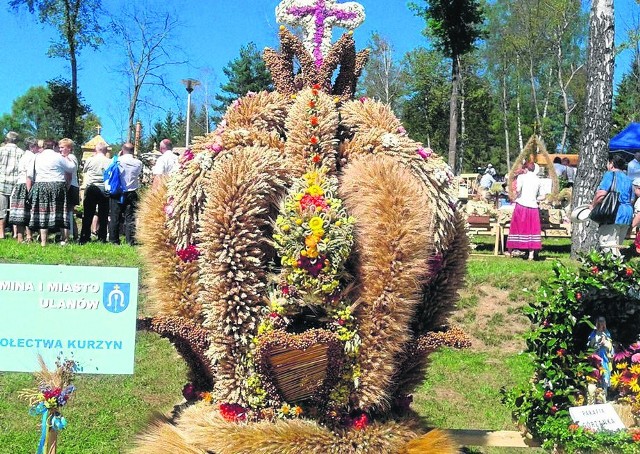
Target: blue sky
212,35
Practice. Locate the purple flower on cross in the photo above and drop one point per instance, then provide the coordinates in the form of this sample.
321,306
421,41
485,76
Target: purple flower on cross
317,17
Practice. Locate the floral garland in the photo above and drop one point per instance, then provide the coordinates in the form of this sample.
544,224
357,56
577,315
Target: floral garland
314,237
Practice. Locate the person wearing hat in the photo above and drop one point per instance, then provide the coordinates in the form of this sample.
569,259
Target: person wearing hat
10,155
636,212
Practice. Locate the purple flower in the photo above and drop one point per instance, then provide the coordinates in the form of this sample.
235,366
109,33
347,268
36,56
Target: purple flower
189,392
595,360
424,152
401,131
635,358
621,355
635,347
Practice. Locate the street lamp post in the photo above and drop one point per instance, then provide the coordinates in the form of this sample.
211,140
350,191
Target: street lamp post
189,84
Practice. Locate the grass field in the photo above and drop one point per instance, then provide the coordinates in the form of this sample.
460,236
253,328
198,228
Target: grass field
461,388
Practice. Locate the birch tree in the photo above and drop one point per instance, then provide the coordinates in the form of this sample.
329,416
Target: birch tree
597,118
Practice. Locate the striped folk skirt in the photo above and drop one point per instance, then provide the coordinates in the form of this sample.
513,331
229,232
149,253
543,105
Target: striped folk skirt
19,211
525,229
49,206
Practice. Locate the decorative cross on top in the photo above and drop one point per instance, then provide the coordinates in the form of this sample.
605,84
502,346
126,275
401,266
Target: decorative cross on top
317,17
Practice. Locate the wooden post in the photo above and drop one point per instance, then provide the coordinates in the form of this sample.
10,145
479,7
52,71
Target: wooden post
52,443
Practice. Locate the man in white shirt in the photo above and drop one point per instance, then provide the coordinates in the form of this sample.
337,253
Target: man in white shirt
488,179
166,164
633,168
127,204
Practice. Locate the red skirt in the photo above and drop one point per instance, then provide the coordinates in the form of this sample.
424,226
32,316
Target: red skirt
524,232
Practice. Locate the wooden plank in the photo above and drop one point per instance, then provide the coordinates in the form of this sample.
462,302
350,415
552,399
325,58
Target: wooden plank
494,438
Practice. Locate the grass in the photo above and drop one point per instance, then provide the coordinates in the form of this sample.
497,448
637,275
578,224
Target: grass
461,388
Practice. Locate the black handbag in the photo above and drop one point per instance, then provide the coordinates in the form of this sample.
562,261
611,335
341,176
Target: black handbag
605,212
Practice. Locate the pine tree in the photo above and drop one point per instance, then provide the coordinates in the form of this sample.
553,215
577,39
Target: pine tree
246,73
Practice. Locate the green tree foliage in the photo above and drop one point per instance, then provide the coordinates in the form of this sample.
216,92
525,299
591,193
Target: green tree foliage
426,109
78,27
246,73
43,111
455,27
534,54
626,103
172,128
384,79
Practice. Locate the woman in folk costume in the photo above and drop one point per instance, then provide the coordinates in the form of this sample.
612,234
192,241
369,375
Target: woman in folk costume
524,232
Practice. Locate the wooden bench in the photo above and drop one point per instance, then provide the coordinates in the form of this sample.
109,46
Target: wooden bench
485,225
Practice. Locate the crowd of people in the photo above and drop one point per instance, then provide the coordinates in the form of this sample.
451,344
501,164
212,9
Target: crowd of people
40,190
525,228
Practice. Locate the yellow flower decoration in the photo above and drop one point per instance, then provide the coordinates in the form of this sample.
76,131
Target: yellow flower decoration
311,241
311,177
299,221
634,385
615,379
285,409
621,366
635,369
315,223
315,190
312,253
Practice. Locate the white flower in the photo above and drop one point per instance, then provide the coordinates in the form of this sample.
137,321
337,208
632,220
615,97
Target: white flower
440,176
390,141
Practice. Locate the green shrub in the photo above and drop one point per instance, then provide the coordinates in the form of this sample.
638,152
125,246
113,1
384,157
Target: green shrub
561,318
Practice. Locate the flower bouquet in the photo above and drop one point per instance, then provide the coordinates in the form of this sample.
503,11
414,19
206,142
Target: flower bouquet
53,392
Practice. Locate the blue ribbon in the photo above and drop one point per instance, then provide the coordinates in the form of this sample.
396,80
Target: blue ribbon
58,423
43,433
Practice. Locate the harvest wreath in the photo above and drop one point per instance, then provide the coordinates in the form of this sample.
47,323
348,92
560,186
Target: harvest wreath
304,259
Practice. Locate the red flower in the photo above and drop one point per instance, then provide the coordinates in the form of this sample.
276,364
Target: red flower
314,92
341,322
312,104
561,352
316,86
285,289
636,437
594,269
55,392
188,254
554,410
629,272
361,422
316,159
314,121
578,296
233,412
313,140
310,201
573,427
548,395
274,315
